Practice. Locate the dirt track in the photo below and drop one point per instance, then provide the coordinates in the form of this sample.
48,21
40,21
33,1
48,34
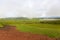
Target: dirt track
13,34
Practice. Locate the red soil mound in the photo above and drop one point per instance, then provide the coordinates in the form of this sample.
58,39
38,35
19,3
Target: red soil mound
13,34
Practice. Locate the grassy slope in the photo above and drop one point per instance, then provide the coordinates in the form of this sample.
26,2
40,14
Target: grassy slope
50,31
46,29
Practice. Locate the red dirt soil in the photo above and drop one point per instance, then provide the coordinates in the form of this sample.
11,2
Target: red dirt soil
13,34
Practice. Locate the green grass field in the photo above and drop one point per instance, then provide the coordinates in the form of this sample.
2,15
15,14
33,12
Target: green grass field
35,27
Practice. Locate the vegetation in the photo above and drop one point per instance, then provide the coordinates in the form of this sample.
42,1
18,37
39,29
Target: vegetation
35,26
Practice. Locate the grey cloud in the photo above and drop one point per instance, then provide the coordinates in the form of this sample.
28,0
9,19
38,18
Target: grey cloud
29,8
54,10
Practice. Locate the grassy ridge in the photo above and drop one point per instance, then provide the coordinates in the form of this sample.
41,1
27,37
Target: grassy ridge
34,26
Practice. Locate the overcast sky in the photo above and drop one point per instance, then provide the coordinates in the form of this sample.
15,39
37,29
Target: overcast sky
29,8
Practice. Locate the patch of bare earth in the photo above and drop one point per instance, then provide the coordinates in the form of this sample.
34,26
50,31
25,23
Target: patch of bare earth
12,34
